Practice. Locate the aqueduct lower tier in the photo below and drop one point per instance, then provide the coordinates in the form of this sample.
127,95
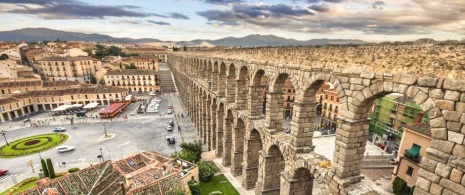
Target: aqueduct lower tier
223,93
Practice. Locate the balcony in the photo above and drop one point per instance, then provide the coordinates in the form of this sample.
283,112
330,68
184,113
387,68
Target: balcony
413,154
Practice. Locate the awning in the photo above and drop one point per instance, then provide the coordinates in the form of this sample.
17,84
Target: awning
91,105
414,151
62,108
77,105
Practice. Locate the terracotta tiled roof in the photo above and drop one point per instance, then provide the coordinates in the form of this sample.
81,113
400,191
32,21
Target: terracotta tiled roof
132,72
58,58
109,89
9,84
423,128
143,57
60,83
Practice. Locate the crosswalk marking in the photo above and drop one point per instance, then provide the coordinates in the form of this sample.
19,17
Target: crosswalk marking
152,116
5,177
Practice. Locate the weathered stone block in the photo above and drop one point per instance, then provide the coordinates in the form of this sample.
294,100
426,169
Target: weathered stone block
443,170
454,126
427,82
452,115
437,155
438,122
456,175
459,150
439,133
430,175
429,164
436,93
460,107
436,189
455,137
452,95
445,104
455,85
444,146
423,184
459,189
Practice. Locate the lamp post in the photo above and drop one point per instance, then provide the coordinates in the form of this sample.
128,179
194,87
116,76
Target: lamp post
40,156
4,133
101,153
104,129
122,187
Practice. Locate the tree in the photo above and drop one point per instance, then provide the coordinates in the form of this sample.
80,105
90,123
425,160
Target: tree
4,57
102,81
44,167
120,65
399,186
206,171
113,51
184,48
88,51
190,152
194,188
93,79
131,66
51,171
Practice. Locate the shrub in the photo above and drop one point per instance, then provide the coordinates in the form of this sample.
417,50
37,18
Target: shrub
206,171
51,171
194,188
44,167
190,152
399,186
412,189
74,169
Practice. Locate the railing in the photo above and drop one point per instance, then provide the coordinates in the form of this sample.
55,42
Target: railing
415,159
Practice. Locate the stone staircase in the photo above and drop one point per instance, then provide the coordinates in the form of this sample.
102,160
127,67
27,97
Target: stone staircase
377,162
166,81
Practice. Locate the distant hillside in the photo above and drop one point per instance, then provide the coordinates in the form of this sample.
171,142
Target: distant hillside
40,34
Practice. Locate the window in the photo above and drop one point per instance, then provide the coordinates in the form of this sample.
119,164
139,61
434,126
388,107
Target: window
289,91
98,97
288,105
335,117
72,97
288,98
337,99
409,170
326,96
332,98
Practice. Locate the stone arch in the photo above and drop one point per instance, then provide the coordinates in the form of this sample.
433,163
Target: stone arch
227,137
257,94
242,89
220,129
275,102
213,124
252,147
214,73
231,84
208,70
237,152
207,124
271,164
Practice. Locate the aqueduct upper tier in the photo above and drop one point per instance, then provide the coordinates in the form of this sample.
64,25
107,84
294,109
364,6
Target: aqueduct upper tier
223,92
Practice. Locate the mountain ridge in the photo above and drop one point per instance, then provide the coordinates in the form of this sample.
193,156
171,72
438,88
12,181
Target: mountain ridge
41,34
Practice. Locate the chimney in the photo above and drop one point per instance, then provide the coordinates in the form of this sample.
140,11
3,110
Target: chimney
419,117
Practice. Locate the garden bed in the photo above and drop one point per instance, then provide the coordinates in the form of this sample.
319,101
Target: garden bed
32,145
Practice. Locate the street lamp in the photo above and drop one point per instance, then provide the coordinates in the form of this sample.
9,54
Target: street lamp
4,133
101,153
40,156
104,129
122,187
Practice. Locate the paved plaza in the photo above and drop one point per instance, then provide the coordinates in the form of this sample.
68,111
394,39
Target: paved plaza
139,132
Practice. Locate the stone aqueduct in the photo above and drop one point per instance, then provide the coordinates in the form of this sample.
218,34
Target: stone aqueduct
222,91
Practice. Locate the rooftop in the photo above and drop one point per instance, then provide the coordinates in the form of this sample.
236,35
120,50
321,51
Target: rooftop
9,84
132,72
58,58
60,83
422,128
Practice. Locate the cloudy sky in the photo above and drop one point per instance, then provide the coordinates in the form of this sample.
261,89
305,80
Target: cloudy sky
370,20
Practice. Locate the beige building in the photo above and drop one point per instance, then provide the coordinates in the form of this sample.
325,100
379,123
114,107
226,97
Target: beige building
289,97
330,110
47,99
133,79
68,68
145,62
415,140
8,69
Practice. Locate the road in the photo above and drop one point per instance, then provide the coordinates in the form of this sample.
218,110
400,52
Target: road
139,132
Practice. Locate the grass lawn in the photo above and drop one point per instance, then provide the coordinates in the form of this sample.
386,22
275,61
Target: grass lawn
218,183
32,145
25,187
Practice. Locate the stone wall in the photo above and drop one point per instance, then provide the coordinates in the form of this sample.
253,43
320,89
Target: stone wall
359,74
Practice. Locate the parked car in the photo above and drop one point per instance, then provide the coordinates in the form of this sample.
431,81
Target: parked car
4,171
170,107
169,128
65,148
59,129
170,111
171,123
170,139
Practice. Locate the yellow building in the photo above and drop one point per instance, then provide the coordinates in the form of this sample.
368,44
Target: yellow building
145,62
415,140
46,99
289,97
133,79
68,68
330,110
8,69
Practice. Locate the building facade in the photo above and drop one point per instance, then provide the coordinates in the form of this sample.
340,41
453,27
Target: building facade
133,79
68,68
289,97
329,111
415,140
46,99
145,62
389,115
8,69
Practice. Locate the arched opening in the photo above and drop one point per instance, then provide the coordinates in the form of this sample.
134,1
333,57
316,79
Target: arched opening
209,71
238,147
279,104
203,116
222,80
227,138
242,90
257,94
252,147
220,129
231,84
214,81
208,127
270,167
